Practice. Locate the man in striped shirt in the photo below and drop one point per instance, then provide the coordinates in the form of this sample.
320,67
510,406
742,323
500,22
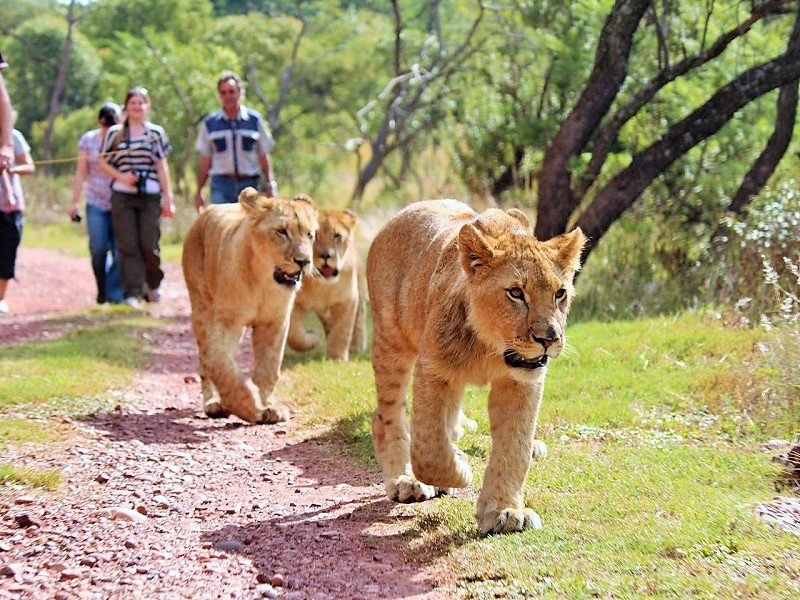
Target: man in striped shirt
234,145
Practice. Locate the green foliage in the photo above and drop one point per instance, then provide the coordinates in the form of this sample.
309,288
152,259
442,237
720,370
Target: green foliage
67,131
186,20
35,52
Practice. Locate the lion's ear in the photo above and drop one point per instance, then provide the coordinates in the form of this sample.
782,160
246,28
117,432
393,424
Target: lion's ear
521,217
349,219
249,199
474,249
569,247
304,198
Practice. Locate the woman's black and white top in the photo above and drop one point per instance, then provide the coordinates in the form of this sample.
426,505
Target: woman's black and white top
137,155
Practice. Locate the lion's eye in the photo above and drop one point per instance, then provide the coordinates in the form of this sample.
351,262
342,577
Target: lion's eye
515,293
282,232
337,236
561,294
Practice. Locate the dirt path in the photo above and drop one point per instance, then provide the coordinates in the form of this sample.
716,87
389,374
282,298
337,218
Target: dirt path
160,502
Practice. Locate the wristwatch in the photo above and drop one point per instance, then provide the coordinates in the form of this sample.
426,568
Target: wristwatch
273,185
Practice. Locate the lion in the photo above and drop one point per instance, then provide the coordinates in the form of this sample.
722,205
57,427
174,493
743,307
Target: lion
336,295
465,298
243,265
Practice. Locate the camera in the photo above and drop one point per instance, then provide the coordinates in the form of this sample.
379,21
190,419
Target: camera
76,218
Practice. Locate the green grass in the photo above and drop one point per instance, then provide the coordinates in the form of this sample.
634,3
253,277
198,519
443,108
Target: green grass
49,480
72,239
651,480
93,356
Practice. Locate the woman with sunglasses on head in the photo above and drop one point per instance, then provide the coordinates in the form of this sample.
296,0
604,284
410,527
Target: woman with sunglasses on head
102,245
135,157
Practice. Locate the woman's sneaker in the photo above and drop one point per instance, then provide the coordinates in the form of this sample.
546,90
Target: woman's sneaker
153,296
3,307
132,301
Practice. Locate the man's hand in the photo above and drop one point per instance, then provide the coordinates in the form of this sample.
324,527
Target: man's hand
199,202
6,157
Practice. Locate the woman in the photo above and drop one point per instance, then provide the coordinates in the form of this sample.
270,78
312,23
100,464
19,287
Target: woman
135,158
102,246
12,203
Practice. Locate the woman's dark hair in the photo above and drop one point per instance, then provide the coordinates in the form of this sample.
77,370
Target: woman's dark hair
109,114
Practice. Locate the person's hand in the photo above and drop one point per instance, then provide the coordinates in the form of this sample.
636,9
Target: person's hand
127,178
72,210
167,206
199,202
6,157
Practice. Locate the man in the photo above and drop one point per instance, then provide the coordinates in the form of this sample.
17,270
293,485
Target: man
234,146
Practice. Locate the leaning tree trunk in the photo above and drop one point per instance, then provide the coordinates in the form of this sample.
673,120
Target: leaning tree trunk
778,143
623,190
556,199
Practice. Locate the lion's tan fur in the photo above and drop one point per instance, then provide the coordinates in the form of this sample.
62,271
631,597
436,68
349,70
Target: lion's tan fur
231,257
443,283
339,301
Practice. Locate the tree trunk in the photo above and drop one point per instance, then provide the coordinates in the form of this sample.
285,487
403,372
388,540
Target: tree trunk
59,86
556,200
764,166
623,190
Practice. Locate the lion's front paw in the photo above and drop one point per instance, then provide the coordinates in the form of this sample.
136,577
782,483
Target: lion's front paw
539,450
274,414
408,489
214,410
508,520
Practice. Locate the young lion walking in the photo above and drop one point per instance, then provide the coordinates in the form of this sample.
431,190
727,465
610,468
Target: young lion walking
464,298
242,264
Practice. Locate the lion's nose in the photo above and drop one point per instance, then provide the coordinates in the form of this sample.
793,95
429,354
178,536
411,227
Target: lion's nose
325,255
550,338
301,262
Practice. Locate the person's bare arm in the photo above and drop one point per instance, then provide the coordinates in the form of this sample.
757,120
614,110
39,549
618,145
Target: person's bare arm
6,127
81,171
202,176
167,200
266,168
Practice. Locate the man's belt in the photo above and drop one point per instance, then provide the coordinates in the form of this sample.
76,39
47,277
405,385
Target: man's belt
240,176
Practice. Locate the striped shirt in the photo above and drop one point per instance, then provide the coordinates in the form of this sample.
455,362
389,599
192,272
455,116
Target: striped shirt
137,155
17,203
234,145
98,185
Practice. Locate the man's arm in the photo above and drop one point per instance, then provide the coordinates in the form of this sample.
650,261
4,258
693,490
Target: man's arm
202,177
266,168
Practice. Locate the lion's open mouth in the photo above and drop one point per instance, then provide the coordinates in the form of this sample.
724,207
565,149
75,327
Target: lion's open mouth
516,361
328,272
284,278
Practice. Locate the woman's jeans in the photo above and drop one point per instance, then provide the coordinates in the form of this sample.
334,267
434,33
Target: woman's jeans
103,250
137,227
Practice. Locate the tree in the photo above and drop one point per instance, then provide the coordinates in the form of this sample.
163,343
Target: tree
592,125
411,103
53,81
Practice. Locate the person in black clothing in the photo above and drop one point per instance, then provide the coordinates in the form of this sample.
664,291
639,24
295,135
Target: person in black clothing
135,157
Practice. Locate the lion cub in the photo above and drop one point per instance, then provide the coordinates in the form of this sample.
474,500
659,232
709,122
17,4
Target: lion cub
464,298
243,264
336,294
